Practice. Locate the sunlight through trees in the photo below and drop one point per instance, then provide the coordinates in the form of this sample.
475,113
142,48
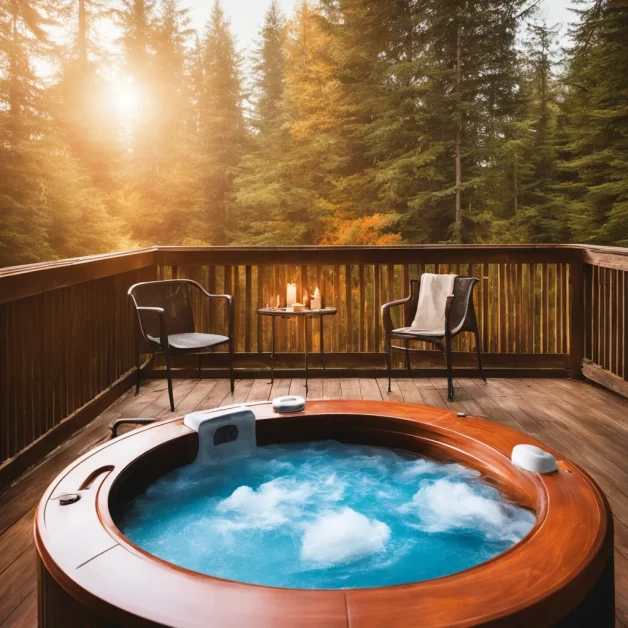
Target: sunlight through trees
352,122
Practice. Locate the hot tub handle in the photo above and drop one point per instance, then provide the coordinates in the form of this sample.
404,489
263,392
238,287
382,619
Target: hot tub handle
119,422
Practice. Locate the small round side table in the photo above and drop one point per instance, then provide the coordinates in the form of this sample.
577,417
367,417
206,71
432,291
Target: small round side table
282,312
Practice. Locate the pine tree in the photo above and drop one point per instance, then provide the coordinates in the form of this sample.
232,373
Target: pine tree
431,96
262,190
539,206
78,102
136,19
24,216
172,33
221,124
269,68
474,56
596,111
378,169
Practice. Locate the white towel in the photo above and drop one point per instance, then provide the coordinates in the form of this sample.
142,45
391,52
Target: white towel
430,312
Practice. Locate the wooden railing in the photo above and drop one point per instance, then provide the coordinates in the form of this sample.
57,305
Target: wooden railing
66,333
605,317
67,330
522,301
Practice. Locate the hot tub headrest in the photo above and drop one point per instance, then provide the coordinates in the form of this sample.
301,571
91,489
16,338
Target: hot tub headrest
223,432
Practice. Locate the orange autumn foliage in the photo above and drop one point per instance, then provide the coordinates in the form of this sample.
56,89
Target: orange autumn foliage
369,230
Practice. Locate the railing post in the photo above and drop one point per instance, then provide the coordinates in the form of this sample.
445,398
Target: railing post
576,330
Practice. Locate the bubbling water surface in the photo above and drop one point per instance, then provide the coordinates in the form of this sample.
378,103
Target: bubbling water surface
325,515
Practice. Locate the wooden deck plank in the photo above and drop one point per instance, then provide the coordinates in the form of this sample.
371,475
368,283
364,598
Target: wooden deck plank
281,388
16,540
217,395
239,395
332,389
422,383
260,391
192,400
370,390
315,388
297,387
432,397
581,420
17,582
410,392
350,387
181,393
25,615
395,395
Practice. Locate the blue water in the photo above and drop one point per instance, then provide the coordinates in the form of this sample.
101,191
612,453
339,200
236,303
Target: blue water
325,516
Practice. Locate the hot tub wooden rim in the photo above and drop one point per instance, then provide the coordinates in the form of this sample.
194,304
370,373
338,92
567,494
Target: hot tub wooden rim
572,578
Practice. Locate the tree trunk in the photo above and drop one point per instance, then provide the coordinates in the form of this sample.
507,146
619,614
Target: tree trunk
516,185
458,136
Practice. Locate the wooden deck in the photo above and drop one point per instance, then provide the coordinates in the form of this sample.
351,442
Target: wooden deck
585,422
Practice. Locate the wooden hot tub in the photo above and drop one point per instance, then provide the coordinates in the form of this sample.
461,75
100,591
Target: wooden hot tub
560,574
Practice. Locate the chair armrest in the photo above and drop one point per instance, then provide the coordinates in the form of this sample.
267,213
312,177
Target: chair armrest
163,323
386,317
229,299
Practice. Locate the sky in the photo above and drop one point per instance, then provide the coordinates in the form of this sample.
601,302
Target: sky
247,15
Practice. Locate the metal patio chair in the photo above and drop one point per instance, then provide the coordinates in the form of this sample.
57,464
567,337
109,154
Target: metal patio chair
166,324
459,317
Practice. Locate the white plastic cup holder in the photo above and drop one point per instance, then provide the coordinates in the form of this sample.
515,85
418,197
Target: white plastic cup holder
534,459
289,403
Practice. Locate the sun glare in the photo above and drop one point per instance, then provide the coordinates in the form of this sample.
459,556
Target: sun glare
127,99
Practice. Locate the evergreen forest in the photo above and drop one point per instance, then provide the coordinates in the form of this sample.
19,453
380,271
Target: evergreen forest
350,122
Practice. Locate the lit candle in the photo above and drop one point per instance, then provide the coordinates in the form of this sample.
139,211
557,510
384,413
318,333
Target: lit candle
315,303
291,297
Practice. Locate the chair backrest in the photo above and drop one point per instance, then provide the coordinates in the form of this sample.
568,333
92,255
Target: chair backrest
462,312
171,295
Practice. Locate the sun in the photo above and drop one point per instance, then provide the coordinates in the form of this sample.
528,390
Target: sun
127,99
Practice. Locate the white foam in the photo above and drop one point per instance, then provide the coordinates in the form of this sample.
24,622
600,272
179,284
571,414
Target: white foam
446,505
342,537
274,503
419,467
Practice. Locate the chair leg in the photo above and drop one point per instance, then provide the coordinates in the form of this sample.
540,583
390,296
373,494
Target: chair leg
479,352
408,364
137,370
169,376
389,362
450,382
231,364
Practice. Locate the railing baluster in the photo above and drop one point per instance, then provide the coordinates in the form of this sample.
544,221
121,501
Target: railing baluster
248,288
348,310
376,306
362,311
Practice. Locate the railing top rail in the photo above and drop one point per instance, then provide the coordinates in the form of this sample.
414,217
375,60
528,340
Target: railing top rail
398,254
18,282
607,256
